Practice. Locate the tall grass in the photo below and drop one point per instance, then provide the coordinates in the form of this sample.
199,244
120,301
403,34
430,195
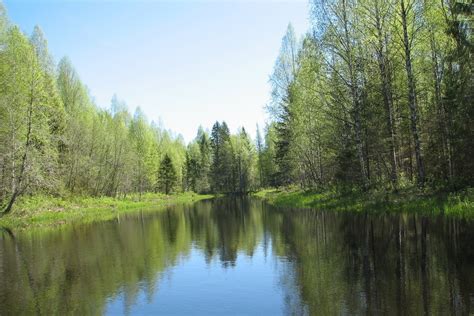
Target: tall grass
459,204
47,211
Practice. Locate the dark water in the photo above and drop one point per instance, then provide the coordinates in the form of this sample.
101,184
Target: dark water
242,257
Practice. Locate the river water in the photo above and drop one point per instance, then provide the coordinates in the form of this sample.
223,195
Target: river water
242,257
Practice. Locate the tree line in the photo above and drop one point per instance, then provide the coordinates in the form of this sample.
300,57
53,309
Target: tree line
378,94
54,139
221,162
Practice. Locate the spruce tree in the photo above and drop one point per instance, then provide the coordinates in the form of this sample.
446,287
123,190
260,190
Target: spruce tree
167,175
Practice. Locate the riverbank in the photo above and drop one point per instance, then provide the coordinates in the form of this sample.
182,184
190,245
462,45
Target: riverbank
459,204
46,211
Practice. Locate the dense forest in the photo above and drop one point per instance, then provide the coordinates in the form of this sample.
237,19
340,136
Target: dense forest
56,140
378,94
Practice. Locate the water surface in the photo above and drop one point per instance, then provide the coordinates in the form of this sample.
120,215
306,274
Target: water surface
242,257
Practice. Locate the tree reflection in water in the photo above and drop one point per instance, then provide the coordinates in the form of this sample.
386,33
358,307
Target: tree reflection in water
324,262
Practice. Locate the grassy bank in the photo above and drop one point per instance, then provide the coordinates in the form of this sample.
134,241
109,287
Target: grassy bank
46,211
460,204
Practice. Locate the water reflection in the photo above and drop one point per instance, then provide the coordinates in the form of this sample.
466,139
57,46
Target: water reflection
242,256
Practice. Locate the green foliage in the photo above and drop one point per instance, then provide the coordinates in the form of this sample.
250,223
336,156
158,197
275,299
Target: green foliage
166,175
221,163
460,204
55,140
45,212
28,159
378,94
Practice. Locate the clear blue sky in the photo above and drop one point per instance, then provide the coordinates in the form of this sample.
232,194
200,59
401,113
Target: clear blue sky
189,63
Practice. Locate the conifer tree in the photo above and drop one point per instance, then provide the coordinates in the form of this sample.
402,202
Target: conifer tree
167,175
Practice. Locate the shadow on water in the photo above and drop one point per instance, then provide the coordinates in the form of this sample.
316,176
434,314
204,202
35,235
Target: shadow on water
322,262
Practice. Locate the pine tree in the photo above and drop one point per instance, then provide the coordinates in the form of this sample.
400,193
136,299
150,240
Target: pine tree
167,175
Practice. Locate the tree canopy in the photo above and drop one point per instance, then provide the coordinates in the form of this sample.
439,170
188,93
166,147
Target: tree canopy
377,94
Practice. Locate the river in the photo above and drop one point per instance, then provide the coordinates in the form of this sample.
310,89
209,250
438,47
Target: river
242,257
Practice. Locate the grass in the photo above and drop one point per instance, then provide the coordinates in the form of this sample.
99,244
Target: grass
45,211
459,204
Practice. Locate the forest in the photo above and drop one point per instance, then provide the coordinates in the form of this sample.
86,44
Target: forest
377,95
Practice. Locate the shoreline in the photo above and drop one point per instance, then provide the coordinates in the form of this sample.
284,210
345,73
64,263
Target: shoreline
42,211
459,204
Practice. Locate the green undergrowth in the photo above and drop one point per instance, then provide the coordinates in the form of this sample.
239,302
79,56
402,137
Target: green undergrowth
459,204
46,211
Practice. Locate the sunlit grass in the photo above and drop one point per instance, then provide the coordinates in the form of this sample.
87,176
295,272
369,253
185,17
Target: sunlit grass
46,211
459,204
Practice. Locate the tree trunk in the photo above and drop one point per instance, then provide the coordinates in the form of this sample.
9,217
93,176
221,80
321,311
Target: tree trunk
355,102
19,182
412,103
442,116
387,97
